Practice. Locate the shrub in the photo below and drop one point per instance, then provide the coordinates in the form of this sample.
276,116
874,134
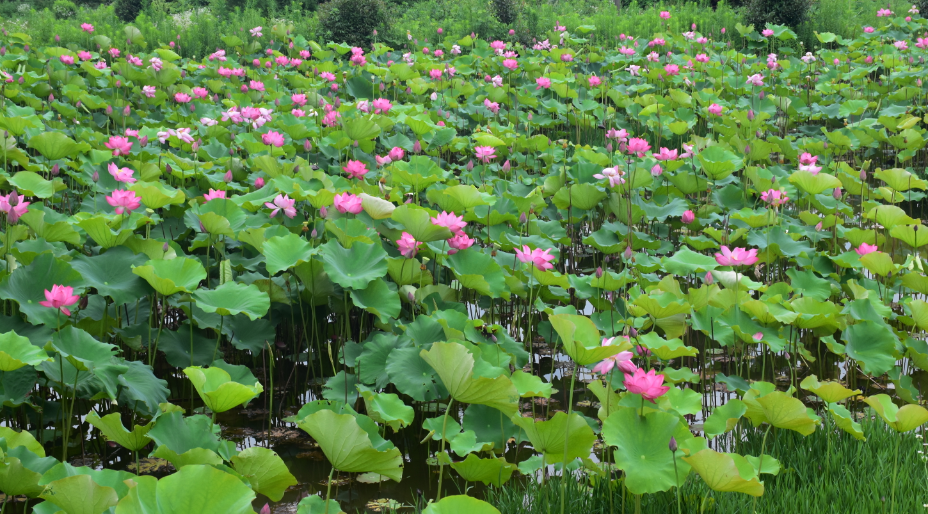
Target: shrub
352,21
128,10
778,12
64,9
505,11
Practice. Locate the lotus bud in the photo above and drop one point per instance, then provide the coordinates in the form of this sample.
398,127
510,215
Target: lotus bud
314,234
761,95
231,151
57,38
193,107
825,145
96,176
338,102
259,182
470,165
628,252
109,110
195,146
168,169
837,193
747,149
709,278
672,446
118,83
529,116
751,114
411,297
55,170
506,166
382,86
78,104
417,147
863,175
633,332
26,48
228,176
307,145
183,74
688,217
277,102
51,98
2,51
323,212
523,218
818,226
83,302
126,111
143,141
759,134
609,147
356,143
599,272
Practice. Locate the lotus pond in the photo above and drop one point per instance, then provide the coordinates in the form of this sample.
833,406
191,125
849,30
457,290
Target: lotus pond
288,277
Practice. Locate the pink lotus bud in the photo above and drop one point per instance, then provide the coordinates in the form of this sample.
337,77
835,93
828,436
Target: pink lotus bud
818,226
57,38
51,98
165,247
417,147
195,146
439,30
109,110
266,509
609,147
21,80
628,252
95,177
506,166
55,170
228,176
168,169
307,145
751,114
314,234
118,83
126,111
688,217
231,151
143,141
672,446
523,218
709,278
633,332
761,95
599,272
323,212
836,193
863,175
512,32
470,165
259,182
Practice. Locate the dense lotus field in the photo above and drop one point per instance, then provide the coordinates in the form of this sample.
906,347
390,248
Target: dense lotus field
710,233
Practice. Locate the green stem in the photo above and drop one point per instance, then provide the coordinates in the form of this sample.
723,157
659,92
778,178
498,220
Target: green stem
328,490
676,478
218,338
570,404
444,428
760,463
67,427
892,501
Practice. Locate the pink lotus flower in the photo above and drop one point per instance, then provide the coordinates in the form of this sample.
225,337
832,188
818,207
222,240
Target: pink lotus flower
811,168
86,27
672,69
299,99
665,15
273,138
67,59
715,109
865,248
459,242
498,46
256,32
879,14
648,385
149,91
868,30
656,170
567,57
407,245
381,106
633,69
84,55
156,63
622,359
200,92
436,73
450,221
255,85
485,154
181,98
121,174
14,212
347,202
807,158
543,83
510,64
124,201
541,259
119,145
922,43
282,203
767,33
355,169
396,153
213,194
702,58
620,135
736,257
688,217
775,197
666,155
491,106
755,80
615,176
259,182
382,161
638,146
594,81
60,297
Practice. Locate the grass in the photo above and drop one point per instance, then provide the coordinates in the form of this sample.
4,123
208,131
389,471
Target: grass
833,474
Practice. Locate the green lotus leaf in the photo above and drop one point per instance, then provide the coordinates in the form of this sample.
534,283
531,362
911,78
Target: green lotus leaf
32,184
79,494
889,216
460,504
872,344
111,274
719,163
379,298
361,128
194,488
418,173
217,389
455,366
348,447
915,236
417,221
355,267
479,271
726,472
724,418
377,208
234,298
904,419
642,449
156,195
784,411
265,470
413,376
16,439
282,253
16,352
845,421
814,184
879,263
387,408
192,457
17,479
171,276
666,349
548,436
578,196
112,428
27,285
54,145
581,339
682,401
900,180
489,471
317,505
829,391
530,386
460,198
98,228
81,349
686,261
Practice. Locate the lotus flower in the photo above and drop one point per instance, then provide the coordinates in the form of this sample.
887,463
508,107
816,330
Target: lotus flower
485,154
273,138
121,174
775,197
450,221
622,359
736,257
86,27
119,145
347,202
715,109
594,81
355,169
14,212
282,203
407,245
865,248
541,259
638,146
459,242
182,98
666,155
648,385
688,217
123,201
381,106
396,153
60,297
542,83
756,80
213,194
613,174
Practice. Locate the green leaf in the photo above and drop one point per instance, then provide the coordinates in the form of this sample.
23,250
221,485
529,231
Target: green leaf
361,129
111,274
217,389
54,145
285,252
355,267
79,494
479,271
726,472
16,352
784,411
530,386
904,419
171,276
265,470
724,418
871,344
417,221
348,447
642,449
460,504
845,421
814,184
581,339
112,428
379,298
491,471
829,391
234,298
32,184
317,505
548,437
455,366
194,488
387,408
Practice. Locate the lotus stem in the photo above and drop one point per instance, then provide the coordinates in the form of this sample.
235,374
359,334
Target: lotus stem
760,463
892,495
570,404
328,490
444,428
